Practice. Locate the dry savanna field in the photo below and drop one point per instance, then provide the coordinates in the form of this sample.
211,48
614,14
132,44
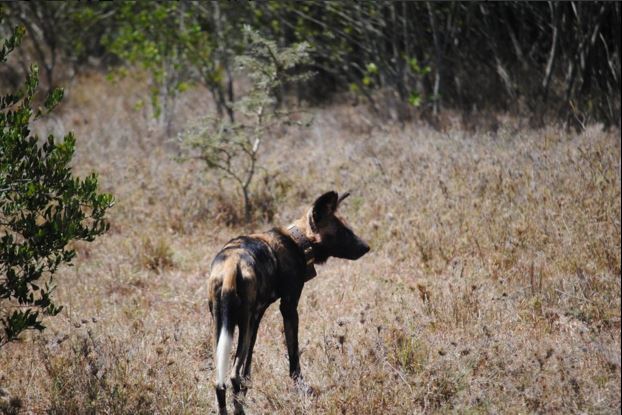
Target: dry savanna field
493,284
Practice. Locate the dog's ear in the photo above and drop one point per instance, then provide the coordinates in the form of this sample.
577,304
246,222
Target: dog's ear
323,208
342,198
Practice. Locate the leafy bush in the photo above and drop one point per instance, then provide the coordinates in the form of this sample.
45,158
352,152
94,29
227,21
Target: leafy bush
43,207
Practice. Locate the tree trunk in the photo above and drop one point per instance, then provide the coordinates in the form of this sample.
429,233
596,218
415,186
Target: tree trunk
437,59
553,53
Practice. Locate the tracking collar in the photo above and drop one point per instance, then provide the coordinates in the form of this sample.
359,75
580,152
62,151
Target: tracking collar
307,249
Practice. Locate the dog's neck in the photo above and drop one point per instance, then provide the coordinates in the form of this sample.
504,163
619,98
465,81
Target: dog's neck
304,244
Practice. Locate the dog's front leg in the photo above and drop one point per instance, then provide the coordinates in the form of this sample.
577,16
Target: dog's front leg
290,321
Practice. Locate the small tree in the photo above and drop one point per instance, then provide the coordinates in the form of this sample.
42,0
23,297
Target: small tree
43,207
233,147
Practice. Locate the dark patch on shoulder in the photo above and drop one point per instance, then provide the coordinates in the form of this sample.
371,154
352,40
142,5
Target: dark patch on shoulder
258,249
289,244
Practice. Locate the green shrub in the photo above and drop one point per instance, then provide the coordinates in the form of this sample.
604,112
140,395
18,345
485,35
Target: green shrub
43,207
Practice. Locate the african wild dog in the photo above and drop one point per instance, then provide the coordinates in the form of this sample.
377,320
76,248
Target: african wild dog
252,272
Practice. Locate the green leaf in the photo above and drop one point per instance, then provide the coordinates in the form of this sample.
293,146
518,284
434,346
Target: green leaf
372,68
414,99
52,100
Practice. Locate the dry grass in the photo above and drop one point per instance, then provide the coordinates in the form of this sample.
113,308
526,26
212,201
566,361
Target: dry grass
493,284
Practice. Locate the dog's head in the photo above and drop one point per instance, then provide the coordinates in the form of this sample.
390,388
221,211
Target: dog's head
332,237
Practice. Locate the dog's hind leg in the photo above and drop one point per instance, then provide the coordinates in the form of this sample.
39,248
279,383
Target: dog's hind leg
247,289
255,320
244,339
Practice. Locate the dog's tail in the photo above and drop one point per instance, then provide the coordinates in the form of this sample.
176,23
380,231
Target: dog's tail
227,312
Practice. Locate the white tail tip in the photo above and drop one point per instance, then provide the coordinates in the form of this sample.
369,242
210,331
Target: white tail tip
222,356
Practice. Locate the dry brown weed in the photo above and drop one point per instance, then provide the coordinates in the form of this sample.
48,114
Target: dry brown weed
493,285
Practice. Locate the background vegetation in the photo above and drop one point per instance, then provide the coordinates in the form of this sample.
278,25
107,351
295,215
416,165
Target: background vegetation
481,143
558,60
